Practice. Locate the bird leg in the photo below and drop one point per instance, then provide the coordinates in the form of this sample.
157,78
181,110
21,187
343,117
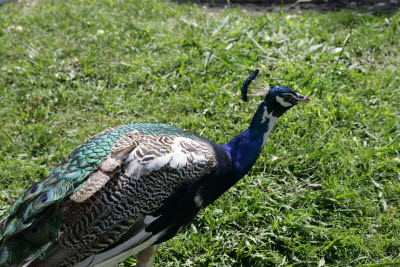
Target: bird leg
146,257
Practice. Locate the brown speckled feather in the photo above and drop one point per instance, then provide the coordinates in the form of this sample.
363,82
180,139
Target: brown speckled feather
115,196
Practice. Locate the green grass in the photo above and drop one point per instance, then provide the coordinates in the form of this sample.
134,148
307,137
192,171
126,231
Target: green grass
70,69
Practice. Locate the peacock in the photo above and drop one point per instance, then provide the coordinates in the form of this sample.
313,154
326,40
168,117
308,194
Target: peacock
130,188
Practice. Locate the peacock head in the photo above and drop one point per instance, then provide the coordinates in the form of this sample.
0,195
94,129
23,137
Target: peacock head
280,98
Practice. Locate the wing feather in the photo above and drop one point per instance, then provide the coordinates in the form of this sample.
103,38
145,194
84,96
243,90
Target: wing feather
100,190
152,172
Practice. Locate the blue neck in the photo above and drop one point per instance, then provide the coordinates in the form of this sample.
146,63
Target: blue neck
245,148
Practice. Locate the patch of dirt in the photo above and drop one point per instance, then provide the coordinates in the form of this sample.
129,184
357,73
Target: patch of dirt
293,5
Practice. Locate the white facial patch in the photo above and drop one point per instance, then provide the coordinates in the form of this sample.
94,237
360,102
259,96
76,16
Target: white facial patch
283,102
298,97
271,123
265,115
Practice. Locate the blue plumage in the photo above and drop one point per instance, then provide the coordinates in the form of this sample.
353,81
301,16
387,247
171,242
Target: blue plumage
130,188
246,84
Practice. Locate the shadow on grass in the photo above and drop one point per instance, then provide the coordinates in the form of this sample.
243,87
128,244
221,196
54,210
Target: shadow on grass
293,5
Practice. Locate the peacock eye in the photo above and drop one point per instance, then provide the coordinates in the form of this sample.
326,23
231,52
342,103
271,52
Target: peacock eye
44,198
34,189
287,98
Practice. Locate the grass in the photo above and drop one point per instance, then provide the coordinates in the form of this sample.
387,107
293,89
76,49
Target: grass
70,69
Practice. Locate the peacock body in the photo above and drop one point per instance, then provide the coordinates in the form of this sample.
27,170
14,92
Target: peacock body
128,189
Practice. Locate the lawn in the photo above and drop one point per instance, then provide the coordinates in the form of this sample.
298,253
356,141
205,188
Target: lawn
326,188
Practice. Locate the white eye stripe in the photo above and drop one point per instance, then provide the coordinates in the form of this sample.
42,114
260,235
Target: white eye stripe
283,102
298,97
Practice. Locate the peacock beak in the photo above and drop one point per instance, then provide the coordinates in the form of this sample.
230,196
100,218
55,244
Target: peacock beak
303,99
